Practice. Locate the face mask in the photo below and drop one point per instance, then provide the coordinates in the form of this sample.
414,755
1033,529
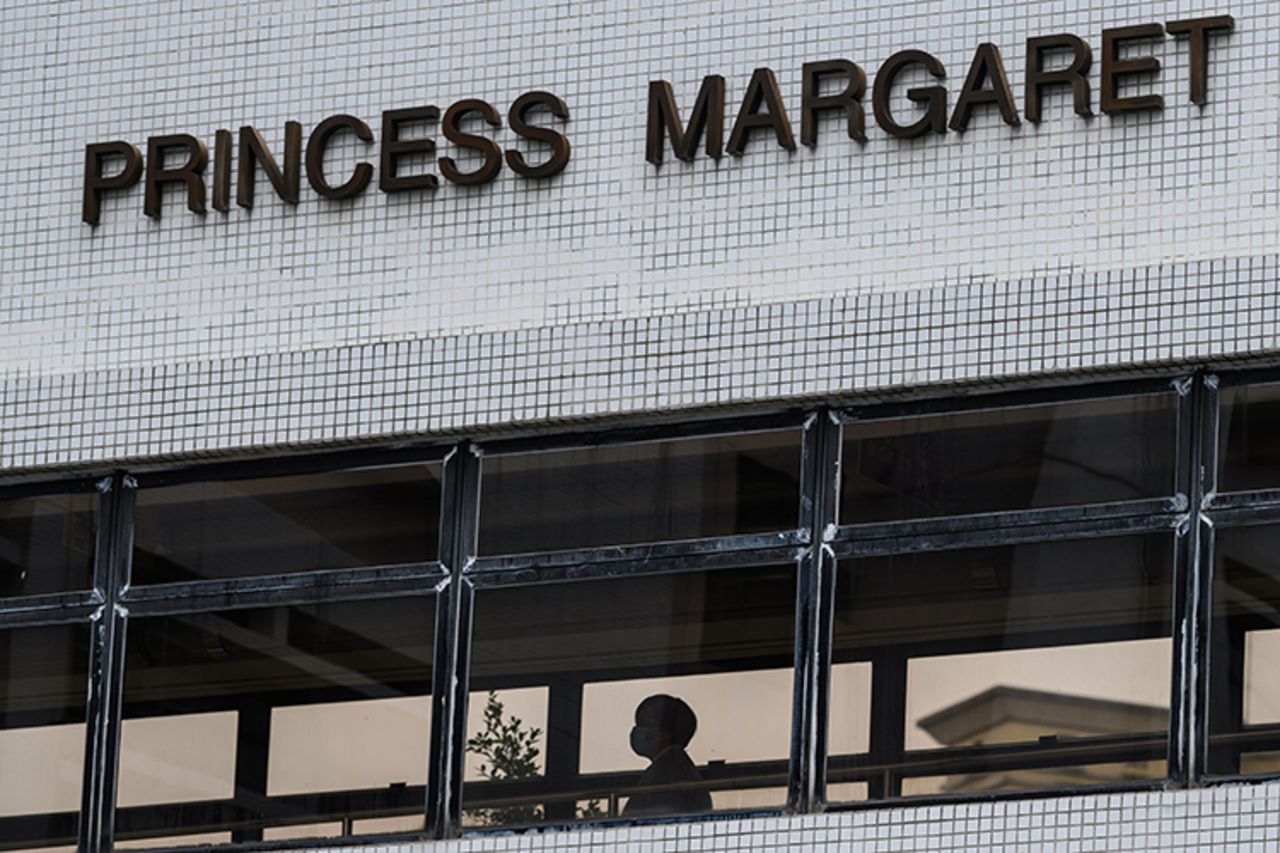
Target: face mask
642,742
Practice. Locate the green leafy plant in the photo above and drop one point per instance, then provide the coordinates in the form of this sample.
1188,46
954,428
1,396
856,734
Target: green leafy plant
509,750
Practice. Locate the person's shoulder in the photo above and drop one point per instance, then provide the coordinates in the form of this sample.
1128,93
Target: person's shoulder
676,759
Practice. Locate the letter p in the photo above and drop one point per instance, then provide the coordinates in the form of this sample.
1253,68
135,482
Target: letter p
95,183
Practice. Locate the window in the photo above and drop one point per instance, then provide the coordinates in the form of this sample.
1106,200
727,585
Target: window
1042,665
625,494
282,718
331,520
1013,458
649,696
42,732
797,611
1250,454
47,544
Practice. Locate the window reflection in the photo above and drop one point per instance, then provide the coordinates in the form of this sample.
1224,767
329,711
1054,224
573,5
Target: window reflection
47,544
633,493
667,694
324,709
1249,455
1009,459
332,520
1063,648
43,688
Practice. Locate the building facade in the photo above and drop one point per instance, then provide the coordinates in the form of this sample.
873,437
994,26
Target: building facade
640,426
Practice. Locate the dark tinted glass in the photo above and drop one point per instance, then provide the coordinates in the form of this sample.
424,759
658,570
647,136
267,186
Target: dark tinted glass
47,543
324,709
44,679
1063,648
1249,439
1244,712
1009,459
562,672
632,493
334,520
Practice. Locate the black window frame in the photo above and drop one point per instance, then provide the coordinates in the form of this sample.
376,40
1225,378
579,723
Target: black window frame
1223,511
816,544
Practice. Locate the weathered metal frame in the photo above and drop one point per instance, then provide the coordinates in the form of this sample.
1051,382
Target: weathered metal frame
815,545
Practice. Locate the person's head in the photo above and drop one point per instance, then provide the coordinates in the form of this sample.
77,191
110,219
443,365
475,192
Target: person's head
662,721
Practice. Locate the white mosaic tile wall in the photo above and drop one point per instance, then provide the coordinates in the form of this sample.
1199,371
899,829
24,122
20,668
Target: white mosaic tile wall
1238,819
615,288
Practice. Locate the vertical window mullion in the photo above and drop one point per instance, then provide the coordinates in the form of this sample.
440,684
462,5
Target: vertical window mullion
114,543
1186,485
1197,438
1199,613
806,788
459,517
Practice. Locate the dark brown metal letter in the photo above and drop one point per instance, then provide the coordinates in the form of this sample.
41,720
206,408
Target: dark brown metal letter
319,143
96,183
934,97
189,173
1113,67
394,147
987,65
1075,75
849,100
221,171
254,151
1197,30
762,90
517,117
664,120
492,153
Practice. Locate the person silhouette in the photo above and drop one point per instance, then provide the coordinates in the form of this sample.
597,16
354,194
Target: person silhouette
664,726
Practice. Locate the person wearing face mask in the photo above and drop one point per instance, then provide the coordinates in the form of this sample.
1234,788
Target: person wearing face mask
664,726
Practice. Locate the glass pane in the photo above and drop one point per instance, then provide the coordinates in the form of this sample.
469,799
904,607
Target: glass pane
1009,459
1061,647
325,709
44,683
633,493
47,544
1249,422
334,520
1244,713
659,695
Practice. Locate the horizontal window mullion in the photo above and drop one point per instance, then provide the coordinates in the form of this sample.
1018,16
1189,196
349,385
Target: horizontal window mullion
977,537
51,488
295,588
1263,499
254,469
791,419
1018,518
922,406
690,562
48,609
640,552
1237,377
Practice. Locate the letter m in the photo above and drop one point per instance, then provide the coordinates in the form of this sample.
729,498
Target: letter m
664,121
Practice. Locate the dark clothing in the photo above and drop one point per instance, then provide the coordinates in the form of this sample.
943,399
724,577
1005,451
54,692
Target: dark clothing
671,767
